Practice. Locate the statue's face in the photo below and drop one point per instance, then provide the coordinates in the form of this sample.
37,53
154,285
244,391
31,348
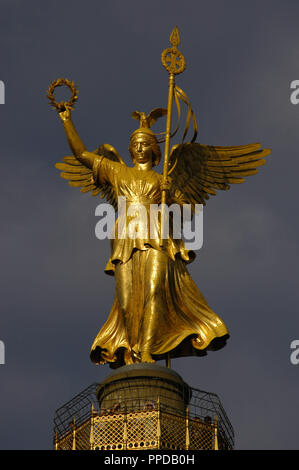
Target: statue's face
141,149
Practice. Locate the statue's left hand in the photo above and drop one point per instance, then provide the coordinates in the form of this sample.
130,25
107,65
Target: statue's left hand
165,186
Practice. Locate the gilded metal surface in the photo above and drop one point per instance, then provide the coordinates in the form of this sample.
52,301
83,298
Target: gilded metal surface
174,62
172,59
141,417
158,312
142,430
62,105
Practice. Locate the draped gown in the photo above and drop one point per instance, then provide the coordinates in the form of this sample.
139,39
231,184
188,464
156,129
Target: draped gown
157,306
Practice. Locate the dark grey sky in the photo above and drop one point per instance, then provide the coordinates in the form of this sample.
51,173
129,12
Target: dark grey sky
241,58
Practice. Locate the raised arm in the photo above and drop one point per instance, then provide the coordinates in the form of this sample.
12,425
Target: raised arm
76,144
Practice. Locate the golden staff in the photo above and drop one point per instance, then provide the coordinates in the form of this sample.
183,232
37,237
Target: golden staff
174,62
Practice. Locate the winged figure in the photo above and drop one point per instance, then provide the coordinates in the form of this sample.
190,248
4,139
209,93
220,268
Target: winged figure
158,312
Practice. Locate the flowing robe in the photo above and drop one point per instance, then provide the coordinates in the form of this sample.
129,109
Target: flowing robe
157,306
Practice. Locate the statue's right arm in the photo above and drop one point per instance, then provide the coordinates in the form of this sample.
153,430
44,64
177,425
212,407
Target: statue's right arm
75,142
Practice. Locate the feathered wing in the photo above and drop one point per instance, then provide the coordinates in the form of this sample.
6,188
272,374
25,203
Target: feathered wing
198,171
81,176
149,119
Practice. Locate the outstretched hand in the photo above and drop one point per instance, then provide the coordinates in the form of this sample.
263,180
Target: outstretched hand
66,114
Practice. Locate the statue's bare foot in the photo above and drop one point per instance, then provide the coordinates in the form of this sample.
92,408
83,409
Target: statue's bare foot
147,357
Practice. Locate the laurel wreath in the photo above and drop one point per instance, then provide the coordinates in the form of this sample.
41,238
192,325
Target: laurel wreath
62,105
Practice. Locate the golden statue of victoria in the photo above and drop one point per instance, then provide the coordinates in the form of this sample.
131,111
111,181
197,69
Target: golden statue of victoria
158,312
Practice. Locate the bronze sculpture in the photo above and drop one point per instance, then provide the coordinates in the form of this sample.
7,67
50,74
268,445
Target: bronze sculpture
158,312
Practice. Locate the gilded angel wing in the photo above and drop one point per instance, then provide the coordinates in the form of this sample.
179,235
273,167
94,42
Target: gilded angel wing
81,176
199,170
